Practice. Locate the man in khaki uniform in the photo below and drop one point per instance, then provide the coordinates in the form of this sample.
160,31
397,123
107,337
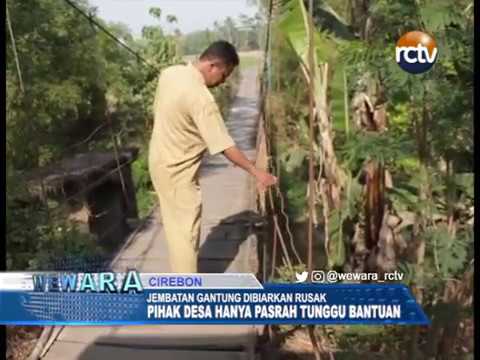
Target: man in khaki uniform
187,123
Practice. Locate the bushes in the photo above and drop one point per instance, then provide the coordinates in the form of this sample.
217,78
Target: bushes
72,74
425,144
39,240
146,197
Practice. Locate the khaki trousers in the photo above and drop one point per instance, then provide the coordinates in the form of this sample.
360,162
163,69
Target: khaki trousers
181,208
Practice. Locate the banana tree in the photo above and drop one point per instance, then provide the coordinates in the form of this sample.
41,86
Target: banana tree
323,72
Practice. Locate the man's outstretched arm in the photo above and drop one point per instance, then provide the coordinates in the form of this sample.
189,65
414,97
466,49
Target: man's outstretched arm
236,156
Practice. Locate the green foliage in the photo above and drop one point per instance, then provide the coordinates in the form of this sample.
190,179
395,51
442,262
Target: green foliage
427,147
243,33
292,179
403,198
337,252
339,220
437,15
450,251
286,274
146,197
72,74
384,148
465,183
294,24
37,240
327,38
361,342
408,270
295,190
293,158
49,35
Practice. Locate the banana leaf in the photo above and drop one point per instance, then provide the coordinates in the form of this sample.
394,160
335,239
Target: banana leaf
293,23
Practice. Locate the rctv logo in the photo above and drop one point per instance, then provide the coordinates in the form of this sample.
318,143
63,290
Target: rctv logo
416,52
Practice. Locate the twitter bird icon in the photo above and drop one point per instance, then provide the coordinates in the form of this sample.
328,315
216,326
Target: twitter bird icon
301,277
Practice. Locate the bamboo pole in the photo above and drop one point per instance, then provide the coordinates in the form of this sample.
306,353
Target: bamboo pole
345,99
14,48
311,94
311,187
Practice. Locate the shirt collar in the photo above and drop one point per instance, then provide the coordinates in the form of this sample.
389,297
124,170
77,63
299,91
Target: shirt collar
196,73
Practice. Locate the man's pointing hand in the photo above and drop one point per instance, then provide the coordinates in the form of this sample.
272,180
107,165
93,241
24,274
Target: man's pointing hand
264,179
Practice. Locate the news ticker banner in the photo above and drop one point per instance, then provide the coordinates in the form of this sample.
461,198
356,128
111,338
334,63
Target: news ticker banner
134,298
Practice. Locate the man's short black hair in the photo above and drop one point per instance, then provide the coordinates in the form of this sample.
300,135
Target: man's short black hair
222,50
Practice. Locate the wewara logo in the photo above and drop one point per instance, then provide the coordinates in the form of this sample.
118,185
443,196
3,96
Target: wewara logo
416,52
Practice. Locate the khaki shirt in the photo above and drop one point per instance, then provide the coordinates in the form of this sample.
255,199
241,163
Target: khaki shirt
187,122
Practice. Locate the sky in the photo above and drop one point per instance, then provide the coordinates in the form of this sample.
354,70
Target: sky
191,14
